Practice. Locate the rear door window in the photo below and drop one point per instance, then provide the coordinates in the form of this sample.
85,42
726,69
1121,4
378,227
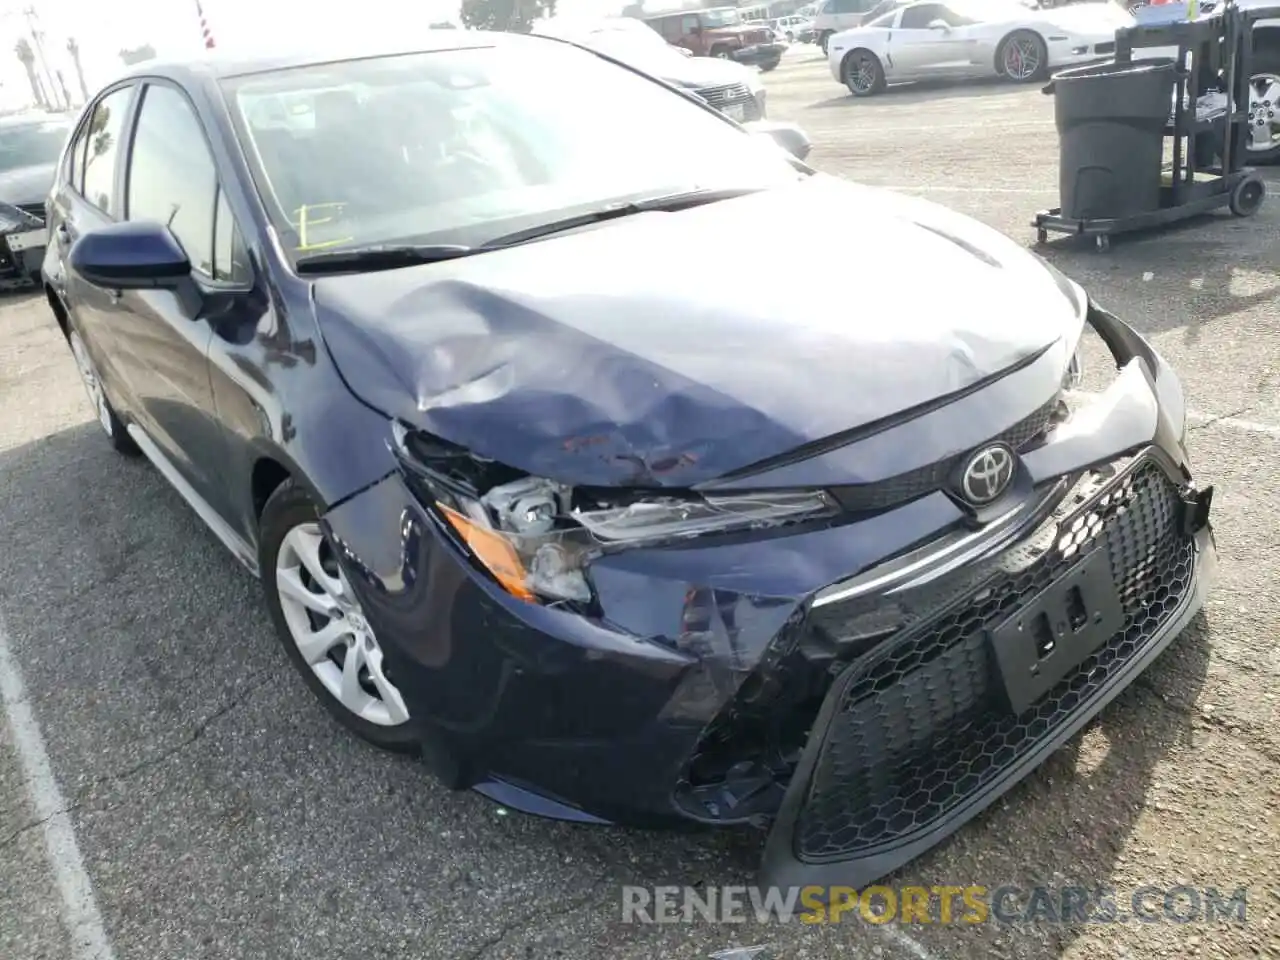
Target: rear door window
105,129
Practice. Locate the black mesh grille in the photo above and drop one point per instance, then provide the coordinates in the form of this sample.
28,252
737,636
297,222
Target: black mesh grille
922,726
34,209
925,480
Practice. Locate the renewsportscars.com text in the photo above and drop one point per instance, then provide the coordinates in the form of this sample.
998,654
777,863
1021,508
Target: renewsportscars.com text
971,904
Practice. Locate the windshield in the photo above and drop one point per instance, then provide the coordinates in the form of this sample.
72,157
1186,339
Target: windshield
32,145
724,17
462,146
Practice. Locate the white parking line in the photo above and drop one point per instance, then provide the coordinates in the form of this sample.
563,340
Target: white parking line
1235,423
79,909
926,188
863,130
906,941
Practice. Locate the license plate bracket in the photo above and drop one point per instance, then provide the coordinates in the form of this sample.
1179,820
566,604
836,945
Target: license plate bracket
26,241
1057,630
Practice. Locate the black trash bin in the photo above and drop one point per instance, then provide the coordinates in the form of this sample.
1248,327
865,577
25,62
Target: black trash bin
1111,119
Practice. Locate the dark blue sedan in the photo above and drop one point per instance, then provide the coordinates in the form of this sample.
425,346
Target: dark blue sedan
471,355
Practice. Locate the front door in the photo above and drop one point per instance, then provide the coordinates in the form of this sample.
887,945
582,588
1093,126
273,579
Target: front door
917,50
163,345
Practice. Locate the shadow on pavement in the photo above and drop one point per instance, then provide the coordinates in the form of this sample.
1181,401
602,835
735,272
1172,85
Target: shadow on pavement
934,91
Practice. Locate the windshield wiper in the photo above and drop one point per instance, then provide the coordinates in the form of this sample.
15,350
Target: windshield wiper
391,256
384,257
665,203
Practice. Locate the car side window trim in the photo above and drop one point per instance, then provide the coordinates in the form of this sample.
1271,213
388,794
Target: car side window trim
204,278
76,167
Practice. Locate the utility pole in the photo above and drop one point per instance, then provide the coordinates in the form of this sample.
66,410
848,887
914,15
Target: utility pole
37,35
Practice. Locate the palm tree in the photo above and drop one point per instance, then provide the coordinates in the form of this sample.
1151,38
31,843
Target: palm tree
27,58
73,48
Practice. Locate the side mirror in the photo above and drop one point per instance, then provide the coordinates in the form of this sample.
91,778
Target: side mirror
133,255
786,135
940,25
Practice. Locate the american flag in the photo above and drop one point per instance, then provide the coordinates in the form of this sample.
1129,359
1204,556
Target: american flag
204,28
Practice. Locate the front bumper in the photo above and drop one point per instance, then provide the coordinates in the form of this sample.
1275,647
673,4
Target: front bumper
917,736
1075,51
723,682
759,53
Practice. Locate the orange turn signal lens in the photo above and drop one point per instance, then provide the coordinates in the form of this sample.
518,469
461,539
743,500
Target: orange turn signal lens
493,550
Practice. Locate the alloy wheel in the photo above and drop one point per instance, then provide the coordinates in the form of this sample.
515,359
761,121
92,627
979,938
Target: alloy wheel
1021,58
326,622
92,385
862,75
1264,103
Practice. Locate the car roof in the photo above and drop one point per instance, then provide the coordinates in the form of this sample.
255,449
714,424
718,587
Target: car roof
34,119
236,63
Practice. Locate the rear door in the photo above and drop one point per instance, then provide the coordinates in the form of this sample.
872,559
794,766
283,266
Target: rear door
89,196
171,178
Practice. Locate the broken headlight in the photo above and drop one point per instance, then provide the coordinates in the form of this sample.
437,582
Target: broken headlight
536,537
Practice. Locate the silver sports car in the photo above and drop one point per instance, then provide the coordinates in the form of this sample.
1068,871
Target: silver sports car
972,38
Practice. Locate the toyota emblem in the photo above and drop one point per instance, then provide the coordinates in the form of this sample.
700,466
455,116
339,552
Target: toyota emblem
987,474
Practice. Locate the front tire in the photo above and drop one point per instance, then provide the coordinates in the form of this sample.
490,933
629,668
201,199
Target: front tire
863,73
321,625
1023,57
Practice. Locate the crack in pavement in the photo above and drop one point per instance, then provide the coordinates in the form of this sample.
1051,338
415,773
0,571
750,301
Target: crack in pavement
1209,421
1231,730
512,926
196,733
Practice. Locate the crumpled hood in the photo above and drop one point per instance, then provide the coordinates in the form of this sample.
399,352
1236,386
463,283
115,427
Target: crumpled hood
27,184
671,348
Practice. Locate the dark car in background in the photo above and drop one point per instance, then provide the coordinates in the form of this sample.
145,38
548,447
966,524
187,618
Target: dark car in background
720,32
463,366
30,145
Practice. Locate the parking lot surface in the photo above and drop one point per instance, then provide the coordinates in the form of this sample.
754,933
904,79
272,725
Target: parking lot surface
198,803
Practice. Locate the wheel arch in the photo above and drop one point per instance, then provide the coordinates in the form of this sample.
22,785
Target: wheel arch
999,57
59,310
268,475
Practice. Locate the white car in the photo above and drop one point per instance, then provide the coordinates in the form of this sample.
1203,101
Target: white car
973,38
790,27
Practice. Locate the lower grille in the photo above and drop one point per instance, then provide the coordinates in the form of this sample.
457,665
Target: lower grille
922,725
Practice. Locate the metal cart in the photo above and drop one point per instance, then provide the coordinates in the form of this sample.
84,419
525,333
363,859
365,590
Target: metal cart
1207,171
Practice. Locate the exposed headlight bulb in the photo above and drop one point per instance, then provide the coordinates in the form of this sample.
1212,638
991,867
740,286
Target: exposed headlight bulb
1074,376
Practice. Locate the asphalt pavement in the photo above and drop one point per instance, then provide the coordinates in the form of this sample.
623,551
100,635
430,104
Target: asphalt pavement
170,791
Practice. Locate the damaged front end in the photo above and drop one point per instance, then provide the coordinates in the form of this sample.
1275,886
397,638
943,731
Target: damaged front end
537,537
832,659
23,238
